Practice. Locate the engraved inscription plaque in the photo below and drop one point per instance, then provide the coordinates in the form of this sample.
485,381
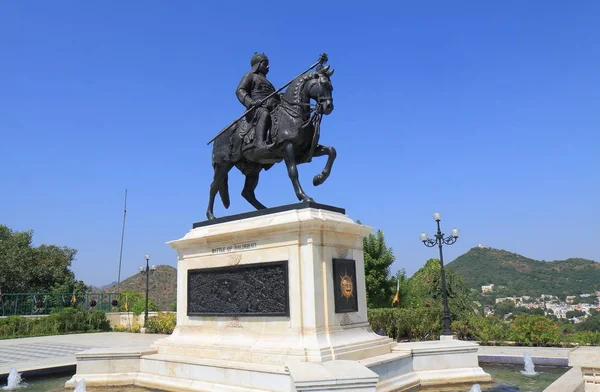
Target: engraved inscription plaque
344,286
242,290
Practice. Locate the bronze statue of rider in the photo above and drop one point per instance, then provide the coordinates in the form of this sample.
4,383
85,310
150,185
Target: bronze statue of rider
251,92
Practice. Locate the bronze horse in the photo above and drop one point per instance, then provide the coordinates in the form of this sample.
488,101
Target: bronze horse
294,137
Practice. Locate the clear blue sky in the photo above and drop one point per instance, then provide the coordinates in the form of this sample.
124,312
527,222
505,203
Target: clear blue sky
488,113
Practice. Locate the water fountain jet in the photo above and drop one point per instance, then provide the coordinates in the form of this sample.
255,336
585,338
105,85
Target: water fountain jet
529,366
80,387
14,380
475,388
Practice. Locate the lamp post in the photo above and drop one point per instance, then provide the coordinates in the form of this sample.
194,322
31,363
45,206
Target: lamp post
147,271
439,241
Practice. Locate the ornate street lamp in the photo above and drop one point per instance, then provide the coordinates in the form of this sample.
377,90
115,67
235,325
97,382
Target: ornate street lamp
147,271
439,241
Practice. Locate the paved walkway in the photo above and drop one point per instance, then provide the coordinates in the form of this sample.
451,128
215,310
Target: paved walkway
52,352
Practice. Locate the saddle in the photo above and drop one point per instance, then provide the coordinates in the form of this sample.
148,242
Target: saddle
244,138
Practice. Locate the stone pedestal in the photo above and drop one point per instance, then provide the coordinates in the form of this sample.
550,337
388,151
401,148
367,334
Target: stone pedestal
304,243
276,300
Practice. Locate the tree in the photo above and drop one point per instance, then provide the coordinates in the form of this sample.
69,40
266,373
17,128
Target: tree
505,307
591,323
378,259
25,268
425,290
575,313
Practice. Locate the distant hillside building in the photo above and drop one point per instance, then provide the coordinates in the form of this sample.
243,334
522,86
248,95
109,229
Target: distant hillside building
570,298
487,288
516,300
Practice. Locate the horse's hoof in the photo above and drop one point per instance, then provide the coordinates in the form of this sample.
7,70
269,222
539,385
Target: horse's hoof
210,216
318,180
307,200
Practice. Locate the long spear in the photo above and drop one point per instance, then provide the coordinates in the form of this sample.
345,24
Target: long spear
322,60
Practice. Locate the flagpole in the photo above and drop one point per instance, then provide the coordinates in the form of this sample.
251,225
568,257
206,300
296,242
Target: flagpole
122,237
398,288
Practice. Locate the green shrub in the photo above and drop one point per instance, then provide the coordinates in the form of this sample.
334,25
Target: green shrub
483,329
533,330
135,328
162,323
68,320
585,338
413,324
525,329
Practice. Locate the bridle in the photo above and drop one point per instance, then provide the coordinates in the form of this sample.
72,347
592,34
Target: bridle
312,108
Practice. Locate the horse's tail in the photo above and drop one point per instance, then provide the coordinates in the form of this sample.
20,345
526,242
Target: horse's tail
226,151
224,191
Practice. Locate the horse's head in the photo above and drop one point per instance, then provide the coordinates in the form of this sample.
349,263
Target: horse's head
320,89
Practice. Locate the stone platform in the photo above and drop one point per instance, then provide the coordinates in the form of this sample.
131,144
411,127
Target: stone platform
276,300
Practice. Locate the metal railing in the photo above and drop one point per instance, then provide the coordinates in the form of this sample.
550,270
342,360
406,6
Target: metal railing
26,304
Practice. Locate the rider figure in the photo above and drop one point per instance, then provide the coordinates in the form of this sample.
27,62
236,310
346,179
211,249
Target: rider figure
252,91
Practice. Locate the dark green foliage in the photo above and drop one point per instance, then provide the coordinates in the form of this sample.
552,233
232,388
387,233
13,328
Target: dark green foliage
425,291
378,259
25,268
585,338
522,329
575,313
486,330
586,300
403,323
516,275
534,311
591,323
532,330
68,320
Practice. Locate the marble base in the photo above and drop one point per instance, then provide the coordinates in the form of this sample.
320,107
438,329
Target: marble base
313,348
406,367
588,360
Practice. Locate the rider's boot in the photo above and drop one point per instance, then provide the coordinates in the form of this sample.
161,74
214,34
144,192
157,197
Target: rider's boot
261,136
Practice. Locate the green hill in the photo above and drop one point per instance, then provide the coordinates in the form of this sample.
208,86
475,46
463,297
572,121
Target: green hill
513,274
162,286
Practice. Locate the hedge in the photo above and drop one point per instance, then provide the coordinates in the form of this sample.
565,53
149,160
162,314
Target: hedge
524,330
65,321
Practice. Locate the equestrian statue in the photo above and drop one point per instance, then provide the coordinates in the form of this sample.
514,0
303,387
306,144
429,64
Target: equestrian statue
275,127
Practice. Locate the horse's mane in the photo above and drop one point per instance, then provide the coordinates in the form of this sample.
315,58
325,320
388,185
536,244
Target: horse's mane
292,93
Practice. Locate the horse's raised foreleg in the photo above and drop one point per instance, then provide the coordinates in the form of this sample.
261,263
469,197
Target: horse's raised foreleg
290,161
219,181
331,154
248,191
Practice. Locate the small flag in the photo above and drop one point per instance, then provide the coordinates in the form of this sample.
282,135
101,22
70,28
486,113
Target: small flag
74,299
397,296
